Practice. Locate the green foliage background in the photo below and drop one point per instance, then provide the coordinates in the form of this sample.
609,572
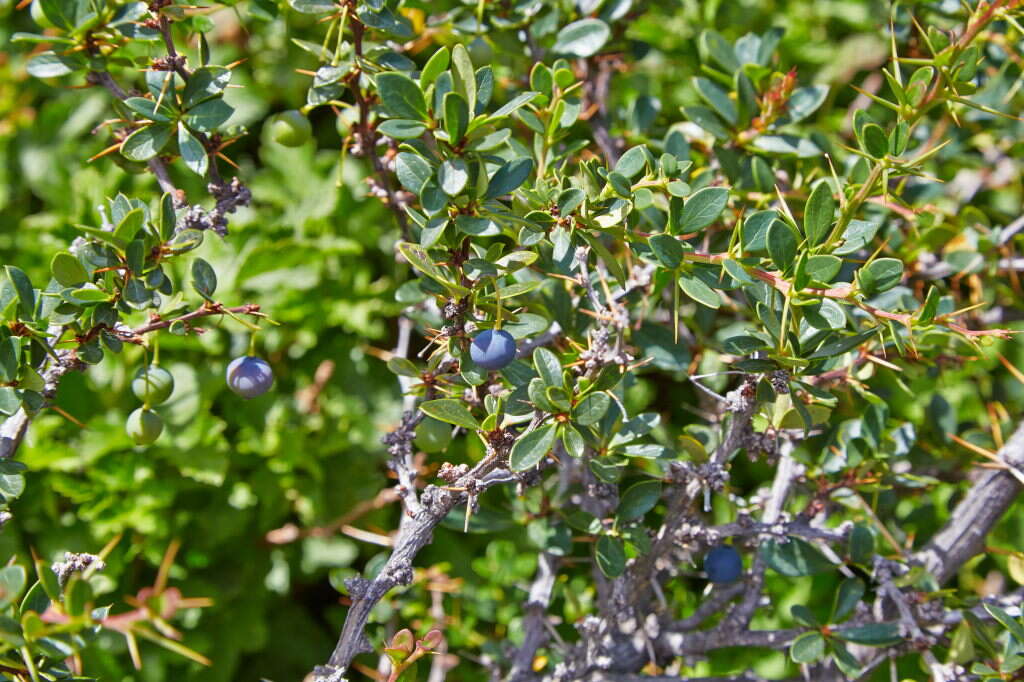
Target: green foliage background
317,254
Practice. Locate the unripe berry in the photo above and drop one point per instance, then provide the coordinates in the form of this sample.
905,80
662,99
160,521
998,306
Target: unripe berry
723,564
290,128
432,435
249,376
493,349
153,385
144,426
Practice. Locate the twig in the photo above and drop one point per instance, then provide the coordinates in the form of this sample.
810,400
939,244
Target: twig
535,617
964,534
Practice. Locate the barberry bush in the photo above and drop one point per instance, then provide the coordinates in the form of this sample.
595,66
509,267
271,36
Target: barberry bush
603,340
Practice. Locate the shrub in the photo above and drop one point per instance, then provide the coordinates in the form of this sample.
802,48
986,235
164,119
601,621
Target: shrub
657,292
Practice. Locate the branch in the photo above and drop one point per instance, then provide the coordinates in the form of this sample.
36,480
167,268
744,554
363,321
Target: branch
534,619
963,536
414,533
60,362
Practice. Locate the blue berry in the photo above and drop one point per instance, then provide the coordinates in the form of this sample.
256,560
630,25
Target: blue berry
723,564
493,349
249,376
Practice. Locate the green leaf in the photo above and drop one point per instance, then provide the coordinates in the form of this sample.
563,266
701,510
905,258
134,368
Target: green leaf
667,250
509,177
206,116
12,584
204,83
1007,621
610,554
818,214
146,142
717,99
847,597
873,140
204,279
632,163
807,648
708,120
530,448
823,267
129,225
192,152
420,259
52,65
147,109
803,615
825,315
794,558
620,185
68,270
695,288
713,45
782,244
548,367
583,38
77,596
456,117
403,367
804,102
573,441
755,230
931,305
842,345
702,209
639,499
401,95
880,275
452,175
10,358
873,634
413,171
12,480
24,290
514,104
387,21
313,6
401,128
862,545
90,295
434,67
591,409
452,412
463,75
858,235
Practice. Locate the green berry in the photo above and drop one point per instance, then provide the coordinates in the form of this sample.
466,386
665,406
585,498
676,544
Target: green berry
290,128
38,16
144,426
433,435
153,385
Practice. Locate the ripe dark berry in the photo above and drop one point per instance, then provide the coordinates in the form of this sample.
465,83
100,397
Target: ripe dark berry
144,426
290,128
153,385
723,564
493,349
432,435
249,376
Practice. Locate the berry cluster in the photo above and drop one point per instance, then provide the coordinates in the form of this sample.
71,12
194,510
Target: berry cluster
247,376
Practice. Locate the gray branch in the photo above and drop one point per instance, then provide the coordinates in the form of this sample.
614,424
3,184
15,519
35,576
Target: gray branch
964,534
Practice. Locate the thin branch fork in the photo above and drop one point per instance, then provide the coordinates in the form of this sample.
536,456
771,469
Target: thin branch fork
414,533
